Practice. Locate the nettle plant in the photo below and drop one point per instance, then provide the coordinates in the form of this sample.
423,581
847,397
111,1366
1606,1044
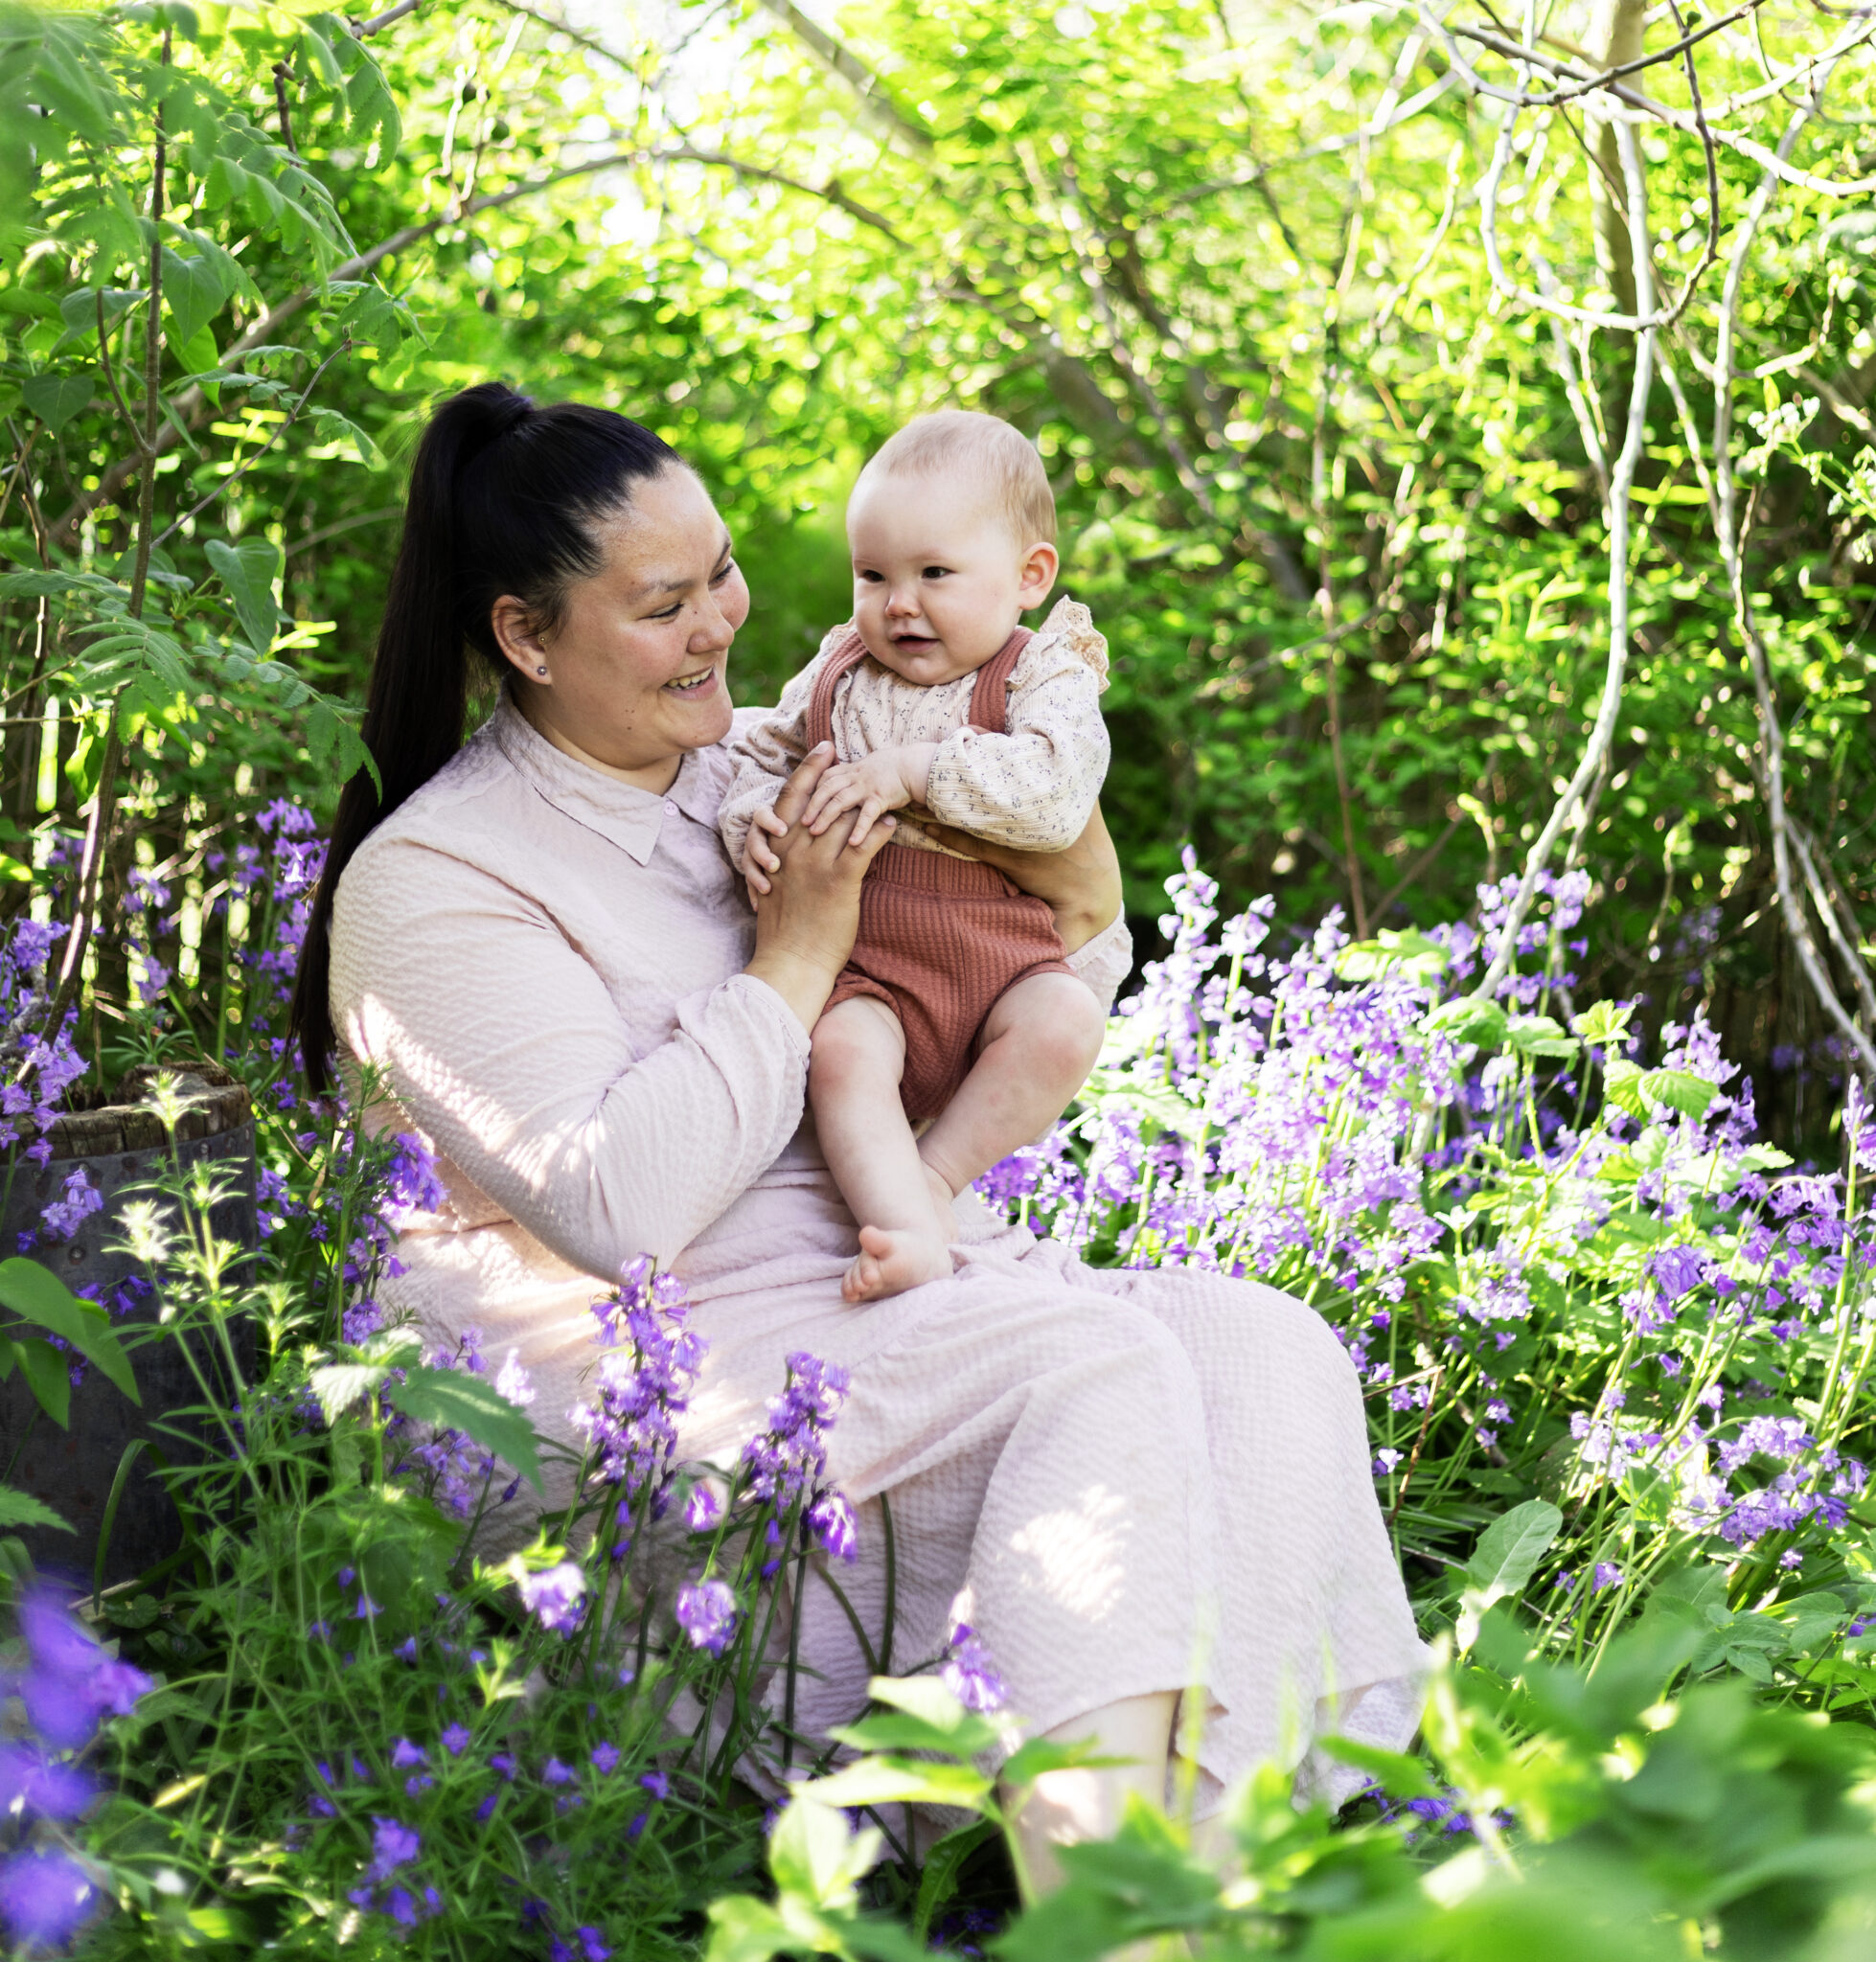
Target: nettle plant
1572,1285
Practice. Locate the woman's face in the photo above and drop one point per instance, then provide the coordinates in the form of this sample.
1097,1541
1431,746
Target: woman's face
635,671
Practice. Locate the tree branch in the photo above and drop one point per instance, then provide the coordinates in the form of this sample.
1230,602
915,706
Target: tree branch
875,99
188,407
1622,482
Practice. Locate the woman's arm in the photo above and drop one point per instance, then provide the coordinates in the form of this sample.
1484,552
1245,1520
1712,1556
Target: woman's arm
503,1045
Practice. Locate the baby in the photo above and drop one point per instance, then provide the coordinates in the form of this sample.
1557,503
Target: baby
957,1005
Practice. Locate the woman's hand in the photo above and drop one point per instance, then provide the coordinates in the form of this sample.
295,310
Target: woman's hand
806,921
1082,885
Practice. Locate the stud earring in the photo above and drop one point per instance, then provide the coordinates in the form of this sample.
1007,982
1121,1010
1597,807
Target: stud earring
542,672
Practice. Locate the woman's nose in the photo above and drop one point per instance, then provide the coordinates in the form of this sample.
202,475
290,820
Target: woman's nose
713,631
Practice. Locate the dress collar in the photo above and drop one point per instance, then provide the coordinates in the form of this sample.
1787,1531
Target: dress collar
617,812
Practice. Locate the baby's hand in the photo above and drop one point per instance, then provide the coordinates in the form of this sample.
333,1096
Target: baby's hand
887,780
759,856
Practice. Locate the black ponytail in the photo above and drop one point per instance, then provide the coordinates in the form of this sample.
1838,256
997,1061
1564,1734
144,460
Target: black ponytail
505,499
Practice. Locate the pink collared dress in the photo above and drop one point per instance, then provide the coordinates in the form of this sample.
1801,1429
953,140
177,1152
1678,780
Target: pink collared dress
1127,1482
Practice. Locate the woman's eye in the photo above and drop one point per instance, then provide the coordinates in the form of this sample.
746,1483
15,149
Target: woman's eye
718,578
670,612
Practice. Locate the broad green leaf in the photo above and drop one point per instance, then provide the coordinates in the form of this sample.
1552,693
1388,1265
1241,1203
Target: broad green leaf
938,1876
21,1509
1508,1553
1398,1774
1541,1035
1471,1019
1679,1090
57,399
453,1399
926,1698
1603,1023
48,1374
338,1386
745,1930
37,1294
1410,952
249,570
195,291
813,1852
896,1730
904,1781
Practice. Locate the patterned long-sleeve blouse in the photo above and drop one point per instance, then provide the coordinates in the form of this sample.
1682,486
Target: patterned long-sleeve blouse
1033,787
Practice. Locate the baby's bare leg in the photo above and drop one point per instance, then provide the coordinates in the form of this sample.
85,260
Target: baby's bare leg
854,1068
1038,1042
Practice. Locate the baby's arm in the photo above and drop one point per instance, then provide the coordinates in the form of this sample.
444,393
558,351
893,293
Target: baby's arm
1036,787
765,757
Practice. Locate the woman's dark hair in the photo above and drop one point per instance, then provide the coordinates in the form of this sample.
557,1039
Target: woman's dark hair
505,499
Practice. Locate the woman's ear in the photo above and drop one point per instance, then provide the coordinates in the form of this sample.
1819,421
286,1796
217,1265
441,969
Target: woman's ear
519,638
1040,565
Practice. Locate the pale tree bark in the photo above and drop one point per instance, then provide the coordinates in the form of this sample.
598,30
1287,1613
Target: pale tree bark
1614,40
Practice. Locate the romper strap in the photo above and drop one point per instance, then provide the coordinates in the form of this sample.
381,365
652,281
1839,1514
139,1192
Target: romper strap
990,699
844,658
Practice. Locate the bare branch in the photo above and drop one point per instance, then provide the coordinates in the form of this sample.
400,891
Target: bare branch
1622,482
363,30
1770,766
875,98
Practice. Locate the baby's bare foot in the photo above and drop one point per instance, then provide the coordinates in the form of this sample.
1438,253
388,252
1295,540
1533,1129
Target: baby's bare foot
890,1262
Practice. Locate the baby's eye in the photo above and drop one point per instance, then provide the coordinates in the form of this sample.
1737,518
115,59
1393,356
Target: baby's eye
872,579
934,572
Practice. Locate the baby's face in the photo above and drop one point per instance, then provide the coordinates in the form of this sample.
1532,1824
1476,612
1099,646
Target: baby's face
940,582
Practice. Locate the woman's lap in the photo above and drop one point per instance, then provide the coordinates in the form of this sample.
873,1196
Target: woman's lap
1127,1482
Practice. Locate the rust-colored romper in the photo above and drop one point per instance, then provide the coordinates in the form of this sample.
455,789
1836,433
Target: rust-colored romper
940,938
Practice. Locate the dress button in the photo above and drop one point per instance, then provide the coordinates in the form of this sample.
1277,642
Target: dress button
670,808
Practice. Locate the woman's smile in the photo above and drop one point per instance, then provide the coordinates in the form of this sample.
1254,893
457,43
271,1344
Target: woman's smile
693,687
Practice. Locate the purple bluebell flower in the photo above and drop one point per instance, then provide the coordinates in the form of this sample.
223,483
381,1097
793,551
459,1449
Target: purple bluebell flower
968,1672
556,1596
707,1613
45,1896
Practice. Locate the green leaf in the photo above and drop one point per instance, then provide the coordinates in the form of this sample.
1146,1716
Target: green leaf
938,1877
745,1930
1541,1035
338,1386
904,1781
1398,1774
21,1509
455,1400
1508,1553
898,1731
1411,952
55,398
195,291
1679,1091
37,1294
1603,1023
813,1852
48,1374
249,570
1471,1019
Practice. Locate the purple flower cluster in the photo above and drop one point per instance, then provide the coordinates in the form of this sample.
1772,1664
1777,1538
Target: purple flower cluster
968,1672
37,1066
786,1465
67,1687
643,1386
1434,1173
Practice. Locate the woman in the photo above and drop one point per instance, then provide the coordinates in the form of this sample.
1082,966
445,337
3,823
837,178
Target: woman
1128,1483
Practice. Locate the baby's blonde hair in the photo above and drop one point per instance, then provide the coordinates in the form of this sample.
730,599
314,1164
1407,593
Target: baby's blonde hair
1000,460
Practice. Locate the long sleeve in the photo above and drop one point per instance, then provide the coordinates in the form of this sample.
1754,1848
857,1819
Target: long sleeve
765,754
1033,787
502,1046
